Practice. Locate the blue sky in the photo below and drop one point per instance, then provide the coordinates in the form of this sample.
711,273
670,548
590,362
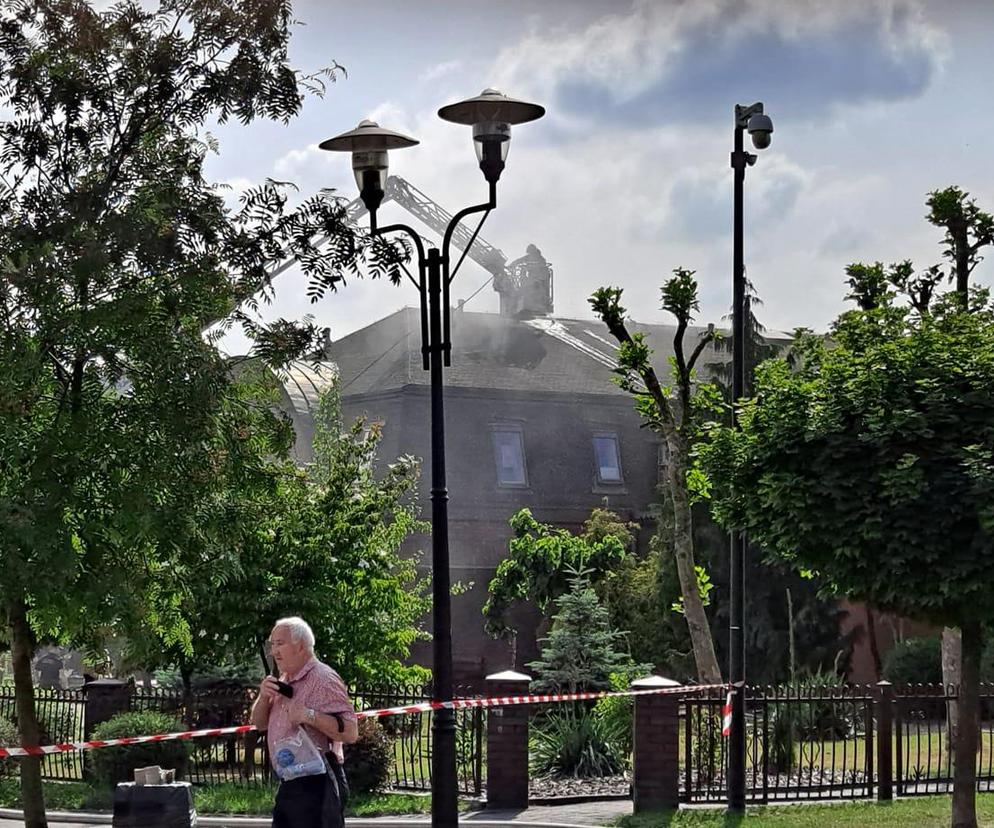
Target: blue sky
874,104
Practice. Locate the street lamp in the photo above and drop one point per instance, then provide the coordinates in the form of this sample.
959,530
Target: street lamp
491,115
753,120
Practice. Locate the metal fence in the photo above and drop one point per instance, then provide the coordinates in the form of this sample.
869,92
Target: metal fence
60,716
806,743
245,758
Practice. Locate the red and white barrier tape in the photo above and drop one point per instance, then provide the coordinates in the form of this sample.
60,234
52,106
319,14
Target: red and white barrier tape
420,707
726,710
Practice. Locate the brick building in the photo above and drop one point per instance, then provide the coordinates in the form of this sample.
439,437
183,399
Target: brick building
533,418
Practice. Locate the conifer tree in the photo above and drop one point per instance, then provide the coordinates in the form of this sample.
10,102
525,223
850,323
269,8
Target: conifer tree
581,650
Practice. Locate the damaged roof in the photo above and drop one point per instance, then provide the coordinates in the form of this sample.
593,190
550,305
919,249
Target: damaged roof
549,354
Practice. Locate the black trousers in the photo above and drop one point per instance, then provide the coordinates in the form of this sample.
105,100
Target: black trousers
308,802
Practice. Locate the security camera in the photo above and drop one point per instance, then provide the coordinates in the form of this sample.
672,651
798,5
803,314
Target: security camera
760,127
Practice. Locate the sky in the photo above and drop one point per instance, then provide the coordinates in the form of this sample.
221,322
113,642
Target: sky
874,104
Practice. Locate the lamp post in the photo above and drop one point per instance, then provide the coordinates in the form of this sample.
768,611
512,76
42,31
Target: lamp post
491,115
749,119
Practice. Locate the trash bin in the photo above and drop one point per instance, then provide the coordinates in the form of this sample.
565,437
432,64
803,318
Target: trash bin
154,806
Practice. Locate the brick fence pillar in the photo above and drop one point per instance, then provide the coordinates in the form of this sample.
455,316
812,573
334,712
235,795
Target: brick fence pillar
104,698
507,743
656,760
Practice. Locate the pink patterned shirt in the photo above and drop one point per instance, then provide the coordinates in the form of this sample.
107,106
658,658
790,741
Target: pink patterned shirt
316,686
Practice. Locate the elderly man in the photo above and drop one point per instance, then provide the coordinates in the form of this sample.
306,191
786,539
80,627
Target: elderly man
318,694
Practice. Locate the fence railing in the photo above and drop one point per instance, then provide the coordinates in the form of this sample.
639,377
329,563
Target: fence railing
831,742
802,742
61,715
245,758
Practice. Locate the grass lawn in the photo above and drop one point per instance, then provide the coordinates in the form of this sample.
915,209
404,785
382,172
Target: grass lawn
211,799
926,812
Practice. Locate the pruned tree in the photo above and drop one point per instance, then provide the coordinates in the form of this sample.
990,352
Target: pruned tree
869,466
674,412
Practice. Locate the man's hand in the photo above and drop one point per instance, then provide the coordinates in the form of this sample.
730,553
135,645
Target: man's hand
297,712
269,689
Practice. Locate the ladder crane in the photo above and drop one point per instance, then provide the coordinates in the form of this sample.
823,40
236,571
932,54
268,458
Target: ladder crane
512,280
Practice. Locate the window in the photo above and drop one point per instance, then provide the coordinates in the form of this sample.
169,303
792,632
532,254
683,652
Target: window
509,452
607,458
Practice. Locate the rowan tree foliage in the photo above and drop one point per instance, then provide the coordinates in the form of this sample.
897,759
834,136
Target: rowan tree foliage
871,465
116,253
324,544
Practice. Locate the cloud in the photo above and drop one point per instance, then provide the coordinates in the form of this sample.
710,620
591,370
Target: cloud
844,239
661,61
440,70
700,199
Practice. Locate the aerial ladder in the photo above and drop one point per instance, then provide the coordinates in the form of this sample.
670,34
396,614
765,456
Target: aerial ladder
511,279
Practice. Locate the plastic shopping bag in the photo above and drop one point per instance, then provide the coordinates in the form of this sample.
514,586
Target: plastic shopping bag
297,756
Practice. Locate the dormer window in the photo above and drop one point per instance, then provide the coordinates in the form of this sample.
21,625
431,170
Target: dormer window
509,454
607,457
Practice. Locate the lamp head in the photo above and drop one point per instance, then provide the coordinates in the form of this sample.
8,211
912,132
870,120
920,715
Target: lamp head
369,144
491,114
760,127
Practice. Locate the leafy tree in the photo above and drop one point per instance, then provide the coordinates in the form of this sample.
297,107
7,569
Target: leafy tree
870,465
116,254
676,414
814,620
968,231
543,558
325,545
757,349
639,597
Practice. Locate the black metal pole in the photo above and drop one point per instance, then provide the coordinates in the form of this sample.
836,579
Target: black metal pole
444,799
736,639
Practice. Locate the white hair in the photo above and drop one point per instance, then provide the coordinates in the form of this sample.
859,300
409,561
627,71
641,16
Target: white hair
299,629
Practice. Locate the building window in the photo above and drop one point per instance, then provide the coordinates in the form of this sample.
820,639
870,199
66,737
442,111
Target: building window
509,452
607,458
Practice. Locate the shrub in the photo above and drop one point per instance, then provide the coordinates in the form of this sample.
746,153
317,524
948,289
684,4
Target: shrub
572,742
782,737
914,661
616,713
367,760
8,738
117,764
706,741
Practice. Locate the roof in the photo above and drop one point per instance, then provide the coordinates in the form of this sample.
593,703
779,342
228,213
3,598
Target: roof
498,352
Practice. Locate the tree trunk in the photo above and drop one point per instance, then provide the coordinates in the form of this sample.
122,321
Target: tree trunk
186,676
21,650
871,632
951,656
965,751
961,250
683,548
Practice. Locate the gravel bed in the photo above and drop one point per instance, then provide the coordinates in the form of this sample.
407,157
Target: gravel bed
545,787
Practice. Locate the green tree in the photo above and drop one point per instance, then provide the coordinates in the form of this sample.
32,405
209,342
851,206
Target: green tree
676,414
116,253
325,545
870,466
640,597
582,650
542,559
